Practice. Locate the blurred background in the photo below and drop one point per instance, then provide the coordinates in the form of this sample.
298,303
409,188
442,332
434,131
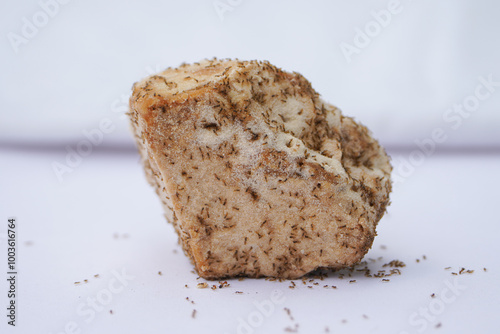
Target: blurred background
422,75
398,67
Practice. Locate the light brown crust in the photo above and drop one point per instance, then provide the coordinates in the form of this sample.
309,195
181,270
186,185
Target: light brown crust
258,175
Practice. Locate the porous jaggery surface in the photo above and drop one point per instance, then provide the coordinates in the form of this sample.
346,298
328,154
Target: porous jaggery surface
258,175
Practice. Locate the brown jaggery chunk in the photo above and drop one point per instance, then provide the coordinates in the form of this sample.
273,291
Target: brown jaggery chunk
258,175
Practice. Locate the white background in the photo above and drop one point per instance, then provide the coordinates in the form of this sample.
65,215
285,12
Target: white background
105,218
76,70
76,67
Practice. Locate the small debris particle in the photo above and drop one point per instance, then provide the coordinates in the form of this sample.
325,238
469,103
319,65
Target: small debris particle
344,321
438,325
238,292
384,247
77,283
385,280
159,273
203,285
110,311
224,284
86,280
352,281
465,271
447,268
186,286
292,330
484,269
193,315
96,275
365,316
395,263
433,295
289,313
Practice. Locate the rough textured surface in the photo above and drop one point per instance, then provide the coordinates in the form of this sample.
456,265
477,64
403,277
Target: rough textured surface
258,175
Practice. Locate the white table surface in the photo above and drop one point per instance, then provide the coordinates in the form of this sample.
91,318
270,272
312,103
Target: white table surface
104,217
